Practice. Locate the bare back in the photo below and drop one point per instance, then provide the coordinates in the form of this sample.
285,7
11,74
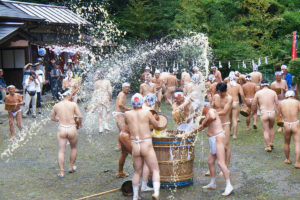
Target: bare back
266,99
289,109
171,81
234,91
139,122
256,77
249,89
65,111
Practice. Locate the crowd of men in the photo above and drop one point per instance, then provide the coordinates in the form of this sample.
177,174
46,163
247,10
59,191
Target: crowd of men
223,99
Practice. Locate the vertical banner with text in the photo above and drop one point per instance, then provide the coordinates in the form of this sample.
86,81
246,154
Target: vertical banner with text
294,46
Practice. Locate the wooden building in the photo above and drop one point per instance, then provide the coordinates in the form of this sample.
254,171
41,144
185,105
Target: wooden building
26,26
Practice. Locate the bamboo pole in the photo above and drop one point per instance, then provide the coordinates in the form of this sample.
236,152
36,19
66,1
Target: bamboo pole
99,194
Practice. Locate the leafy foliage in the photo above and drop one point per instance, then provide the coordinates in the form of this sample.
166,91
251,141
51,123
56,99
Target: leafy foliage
294,68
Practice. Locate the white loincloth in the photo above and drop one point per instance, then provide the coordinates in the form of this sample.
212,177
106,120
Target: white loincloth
212,143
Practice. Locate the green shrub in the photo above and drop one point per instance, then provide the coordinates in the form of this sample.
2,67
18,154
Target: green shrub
294,69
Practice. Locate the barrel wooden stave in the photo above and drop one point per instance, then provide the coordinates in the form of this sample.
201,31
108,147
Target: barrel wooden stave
175,170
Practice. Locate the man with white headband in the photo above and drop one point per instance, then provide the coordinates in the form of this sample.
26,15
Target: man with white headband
217,140
63,113
234,89
240,78
147,71
280,87
289,111
71,84
159,84
185,78
222,102
191,86
171,86
256,76
139,121
249,89
183,105
121,107
13,101
101,99
286,75
147,87
217,74
267,101
212,87
197,71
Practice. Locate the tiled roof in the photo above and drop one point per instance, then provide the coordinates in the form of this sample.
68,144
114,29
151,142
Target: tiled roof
6,29
50,13
8,12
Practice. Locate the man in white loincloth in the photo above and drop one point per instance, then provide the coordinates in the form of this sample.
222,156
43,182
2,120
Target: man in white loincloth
64,113
139,121
268,104
217,140
289,110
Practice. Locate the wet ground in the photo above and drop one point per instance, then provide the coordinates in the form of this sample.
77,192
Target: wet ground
31,172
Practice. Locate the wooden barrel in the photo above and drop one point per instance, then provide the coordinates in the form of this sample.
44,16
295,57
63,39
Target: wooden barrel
277,90
175,159
245,111
279,122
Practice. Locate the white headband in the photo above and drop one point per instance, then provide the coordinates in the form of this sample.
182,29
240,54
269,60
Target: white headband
195,78
157,72
236,72
213,67
125,84
264,84
150,99
284,67
137,100
289,93
248,78
211,77
11,86
178,94
278,73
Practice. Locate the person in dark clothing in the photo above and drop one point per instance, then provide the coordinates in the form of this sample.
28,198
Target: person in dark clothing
56,85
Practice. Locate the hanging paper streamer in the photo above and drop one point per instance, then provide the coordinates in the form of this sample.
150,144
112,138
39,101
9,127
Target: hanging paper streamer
244,64
229,64
266,60
252,63
193,63
259,62
166,63
220,65
238,65
174,64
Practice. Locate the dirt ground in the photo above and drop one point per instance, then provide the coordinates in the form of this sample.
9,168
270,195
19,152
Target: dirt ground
30,173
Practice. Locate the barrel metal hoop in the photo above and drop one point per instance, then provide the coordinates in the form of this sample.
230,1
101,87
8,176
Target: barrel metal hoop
175,184
173,142
168,147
